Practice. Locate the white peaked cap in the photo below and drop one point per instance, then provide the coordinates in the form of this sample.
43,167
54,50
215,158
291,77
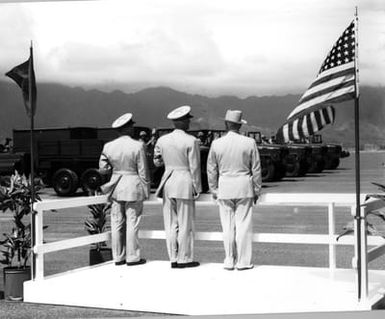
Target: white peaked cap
122,120
235,116
180,112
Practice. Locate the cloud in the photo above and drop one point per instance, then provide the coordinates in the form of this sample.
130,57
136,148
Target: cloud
212,47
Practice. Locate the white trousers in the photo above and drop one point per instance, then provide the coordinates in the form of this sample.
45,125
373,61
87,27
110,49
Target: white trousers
178,216
236,221
125,219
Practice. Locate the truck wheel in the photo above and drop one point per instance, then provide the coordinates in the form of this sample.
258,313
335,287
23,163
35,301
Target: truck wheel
91,180
317,166
65,182
335,163
279,171
268,172
293,169
304,168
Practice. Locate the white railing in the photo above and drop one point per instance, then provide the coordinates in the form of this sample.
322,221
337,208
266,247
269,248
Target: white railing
329,201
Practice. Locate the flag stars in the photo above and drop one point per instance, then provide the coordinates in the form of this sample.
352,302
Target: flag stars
342,51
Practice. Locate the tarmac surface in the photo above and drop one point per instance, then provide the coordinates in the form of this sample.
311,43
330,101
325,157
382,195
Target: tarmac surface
70,224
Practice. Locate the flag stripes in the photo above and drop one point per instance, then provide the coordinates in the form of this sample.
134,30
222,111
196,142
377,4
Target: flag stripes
329,86
306,125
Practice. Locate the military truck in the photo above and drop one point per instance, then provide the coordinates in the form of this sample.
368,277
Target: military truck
299,164
274,158
322,156
333,152
65,158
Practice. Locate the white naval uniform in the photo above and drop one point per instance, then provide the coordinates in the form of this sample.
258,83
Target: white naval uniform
181,181
234,175
127,160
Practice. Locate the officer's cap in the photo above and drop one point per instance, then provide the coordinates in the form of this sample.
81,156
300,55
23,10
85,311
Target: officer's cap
122,120
180,113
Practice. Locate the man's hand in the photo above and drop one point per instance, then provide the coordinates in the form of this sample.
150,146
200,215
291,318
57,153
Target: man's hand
196,195
255,199
215,196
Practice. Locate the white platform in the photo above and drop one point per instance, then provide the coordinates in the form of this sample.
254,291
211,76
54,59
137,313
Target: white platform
206,290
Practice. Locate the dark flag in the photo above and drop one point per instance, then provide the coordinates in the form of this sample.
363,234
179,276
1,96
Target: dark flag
334,83
305,125
24,76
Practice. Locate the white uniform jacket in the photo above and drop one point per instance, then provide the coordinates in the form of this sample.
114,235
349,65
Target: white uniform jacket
180,154
127,160
233,167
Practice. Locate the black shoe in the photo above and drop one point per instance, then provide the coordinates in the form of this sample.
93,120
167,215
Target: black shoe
174,265
139,262
188,265
119,263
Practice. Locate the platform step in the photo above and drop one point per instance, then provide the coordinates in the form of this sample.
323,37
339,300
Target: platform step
206,290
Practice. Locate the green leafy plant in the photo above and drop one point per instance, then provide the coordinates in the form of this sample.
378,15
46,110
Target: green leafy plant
15,196
97,223
372,217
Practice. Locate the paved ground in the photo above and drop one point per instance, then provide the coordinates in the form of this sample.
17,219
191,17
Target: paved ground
69,224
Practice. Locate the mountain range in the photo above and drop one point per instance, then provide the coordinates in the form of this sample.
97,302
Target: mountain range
64,106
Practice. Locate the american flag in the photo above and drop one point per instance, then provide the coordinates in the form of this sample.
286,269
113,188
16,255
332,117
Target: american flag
334,83
305,125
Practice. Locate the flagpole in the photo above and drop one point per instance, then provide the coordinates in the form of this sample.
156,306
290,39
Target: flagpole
32,175
359,219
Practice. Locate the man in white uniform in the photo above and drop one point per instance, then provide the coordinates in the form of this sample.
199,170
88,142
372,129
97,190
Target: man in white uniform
129,186
179,186
234,176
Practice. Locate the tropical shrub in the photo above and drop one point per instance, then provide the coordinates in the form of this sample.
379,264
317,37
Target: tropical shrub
15,196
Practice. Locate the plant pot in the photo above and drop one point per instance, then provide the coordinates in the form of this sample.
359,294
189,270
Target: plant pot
13,282
98,256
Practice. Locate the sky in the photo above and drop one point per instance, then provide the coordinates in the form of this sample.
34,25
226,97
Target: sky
210,47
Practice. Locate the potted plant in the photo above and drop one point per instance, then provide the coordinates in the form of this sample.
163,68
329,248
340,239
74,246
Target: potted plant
372,217
97,224
15,196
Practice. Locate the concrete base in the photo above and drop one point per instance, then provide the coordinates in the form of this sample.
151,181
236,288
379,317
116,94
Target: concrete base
206,290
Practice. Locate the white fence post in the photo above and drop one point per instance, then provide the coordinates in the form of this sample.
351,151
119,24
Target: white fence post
355,257
364,256
332,246
39,257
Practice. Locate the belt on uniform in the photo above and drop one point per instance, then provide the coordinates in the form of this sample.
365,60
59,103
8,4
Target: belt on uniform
125,172
234,175
178,169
